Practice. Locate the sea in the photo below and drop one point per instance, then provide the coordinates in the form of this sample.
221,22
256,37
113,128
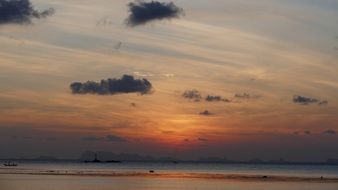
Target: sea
34,175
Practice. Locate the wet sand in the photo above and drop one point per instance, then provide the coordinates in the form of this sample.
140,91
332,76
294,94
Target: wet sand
146,174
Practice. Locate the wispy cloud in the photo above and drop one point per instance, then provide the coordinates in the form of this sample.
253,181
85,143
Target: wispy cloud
194,95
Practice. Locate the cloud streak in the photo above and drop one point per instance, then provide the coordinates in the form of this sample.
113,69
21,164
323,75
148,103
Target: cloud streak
108,138
206,113
211,98
302,100
142,12
127,84
20,12
194,95
246,96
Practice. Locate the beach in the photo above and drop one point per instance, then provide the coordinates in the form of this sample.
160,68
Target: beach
57,182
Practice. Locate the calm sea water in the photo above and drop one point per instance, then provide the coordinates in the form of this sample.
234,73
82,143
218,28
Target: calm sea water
50,182
212,168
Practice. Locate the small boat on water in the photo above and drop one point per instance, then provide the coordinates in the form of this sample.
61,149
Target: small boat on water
96,160
10,164
93,161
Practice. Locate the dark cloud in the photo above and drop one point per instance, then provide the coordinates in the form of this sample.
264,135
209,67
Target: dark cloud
307,132
330,132
211,98
127,84
206,113
20,12
192,95
133,104
142,12
202,139
196,96
114,138
302,100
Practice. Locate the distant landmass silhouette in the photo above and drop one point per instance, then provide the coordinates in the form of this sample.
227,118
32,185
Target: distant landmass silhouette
106,156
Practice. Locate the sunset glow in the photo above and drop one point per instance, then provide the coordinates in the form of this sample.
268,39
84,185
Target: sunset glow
223,78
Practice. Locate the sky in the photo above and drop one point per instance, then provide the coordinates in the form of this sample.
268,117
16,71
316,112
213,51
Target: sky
224,78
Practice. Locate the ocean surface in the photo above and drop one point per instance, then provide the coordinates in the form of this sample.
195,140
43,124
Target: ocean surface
13,179
187,167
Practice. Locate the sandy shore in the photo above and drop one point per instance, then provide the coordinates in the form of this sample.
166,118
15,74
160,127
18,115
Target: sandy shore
239,177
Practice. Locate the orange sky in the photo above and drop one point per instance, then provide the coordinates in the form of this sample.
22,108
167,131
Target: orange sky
270,50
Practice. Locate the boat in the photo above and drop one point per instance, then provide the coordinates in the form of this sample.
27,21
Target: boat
99,161
93,161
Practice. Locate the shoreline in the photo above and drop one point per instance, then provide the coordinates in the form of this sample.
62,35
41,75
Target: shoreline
208,176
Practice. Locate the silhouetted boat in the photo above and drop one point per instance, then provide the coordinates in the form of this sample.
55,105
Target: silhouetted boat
99,161
10,164
94,161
